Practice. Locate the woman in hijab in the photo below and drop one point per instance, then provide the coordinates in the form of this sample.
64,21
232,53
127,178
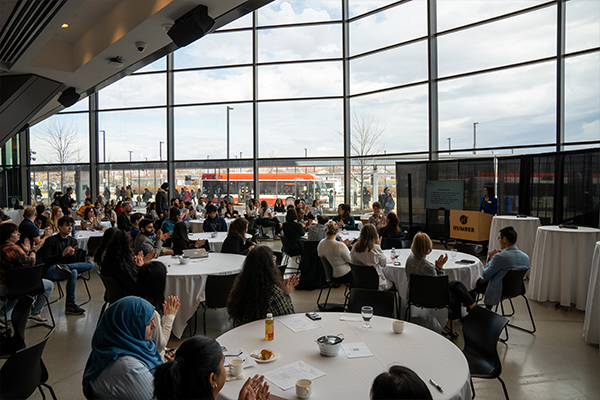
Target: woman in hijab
123,356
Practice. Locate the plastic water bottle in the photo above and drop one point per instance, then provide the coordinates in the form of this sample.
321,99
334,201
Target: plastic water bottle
269,327
393,254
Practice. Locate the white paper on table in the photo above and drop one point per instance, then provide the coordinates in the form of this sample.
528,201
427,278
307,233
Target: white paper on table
232,354
298,323
350,318
285,377
357,350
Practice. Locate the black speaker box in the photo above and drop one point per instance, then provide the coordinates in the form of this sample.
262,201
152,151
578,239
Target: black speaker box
68,97
191,26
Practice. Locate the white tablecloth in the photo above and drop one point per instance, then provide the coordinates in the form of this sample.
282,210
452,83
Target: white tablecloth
188,282
466,273
83,237
430,355
196,225
591,326
216,244
15,215
561,263
105,224
526,230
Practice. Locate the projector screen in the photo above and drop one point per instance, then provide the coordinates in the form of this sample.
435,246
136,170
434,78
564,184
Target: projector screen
447,195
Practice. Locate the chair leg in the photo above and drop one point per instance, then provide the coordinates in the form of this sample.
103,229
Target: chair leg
504,388
472,389
204,318
50,389
530,316
86,288
61,294
319,298
50,311
407,313
41,392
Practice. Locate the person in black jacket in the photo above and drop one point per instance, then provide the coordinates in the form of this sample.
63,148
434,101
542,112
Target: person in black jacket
181,241
65,202
236,242
59,252
293,231
124,219
162,201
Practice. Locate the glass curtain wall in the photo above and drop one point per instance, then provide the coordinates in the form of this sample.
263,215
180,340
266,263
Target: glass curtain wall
337,90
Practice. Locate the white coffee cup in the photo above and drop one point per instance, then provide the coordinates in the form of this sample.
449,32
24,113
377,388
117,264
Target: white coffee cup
398,326
236,367
213,234
304,388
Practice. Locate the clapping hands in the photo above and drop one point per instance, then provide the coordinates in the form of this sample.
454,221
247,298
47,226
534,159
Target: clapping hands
171,305
255,388
441,261
290,283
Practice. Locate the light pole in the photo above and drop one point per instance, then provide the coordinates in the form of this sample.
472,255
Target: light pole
475,137
129,151
305,155
103,157
449,145
228,108
160,150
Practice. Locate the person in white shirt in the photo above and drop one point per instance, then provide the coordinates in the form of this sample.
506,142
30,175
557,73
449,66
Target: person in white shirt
367,252
336,253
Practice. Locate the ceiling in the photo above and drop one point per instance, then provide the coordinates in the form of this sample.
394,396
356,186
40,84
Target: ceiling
33,41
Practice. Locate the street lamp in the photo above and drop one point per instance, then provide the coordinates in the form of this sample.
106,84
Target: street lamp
160,150
129,151
228,108
475,137
449,145
103,145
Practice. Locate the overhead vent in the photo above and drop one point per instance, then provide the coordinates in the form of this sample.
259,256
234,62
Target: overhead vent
27,19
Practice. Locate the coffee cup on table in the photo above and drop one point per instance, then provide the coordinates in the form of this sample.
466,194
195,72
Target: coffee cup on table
236,367
398,326
214,234
304,388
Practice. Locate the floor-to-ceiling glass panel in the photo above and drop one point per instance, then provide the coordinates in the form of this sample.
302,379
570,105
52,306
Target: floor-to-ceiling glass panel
242,22
510,107
304,128
117,181
45,180
135,91
213,86
294,12
359,7
582,98
60,139
370,176
583,25
227,48
158,65
300,43
300,80
522,38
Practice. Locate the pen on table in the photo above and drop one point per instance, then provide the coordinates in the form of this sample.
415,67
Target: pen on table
438,387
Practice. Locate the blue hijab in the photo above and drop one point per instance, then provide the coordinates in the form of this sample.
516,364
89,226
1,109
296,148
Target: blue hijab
122,332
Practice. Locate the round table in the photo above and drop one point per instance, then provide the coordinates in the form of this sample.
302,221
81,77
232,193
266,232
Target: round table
84,236
591,325
526,230
430,355
105,224
349,235
15,215
561,263
188,281
216,244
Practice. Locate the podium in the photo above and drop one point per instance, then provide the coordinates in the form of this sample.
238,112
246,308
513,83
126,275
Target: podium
473,226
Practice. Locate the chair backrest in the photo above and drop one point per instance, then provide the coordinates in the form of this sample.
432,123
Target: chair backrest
311,268
285,244
481,330
92,245
24,281
328,268
467,248
113,291
278,257
398,243
217,290
364,277
512,283
11,344
23,372
382,302
429,291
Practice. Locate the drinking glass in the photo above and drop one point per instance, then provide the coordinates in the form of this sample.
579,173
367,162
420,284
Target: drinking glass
367,314
453,254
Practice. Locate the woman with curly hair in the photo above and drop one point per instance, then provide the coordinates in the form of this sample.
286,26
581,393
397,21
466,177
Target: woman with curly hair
259,289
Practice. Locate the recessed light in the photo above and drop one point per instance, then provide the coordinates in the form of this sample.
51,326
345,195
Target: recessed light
64,25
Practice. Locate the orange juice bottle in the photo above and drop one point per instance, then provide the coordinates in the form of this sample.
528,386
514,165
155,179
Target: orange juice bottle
269,327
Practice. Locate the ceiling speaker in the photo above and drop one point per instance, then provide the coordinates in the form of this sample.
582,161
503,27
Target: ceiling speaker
191,26
68,97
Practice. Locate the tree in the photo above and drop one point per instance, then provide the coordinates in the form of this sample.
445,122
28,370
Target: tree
365,140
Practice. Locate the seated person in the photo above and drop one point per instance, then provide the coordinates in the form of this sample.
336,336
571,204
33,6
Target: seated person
151,282
367,252
135,225
316,209
416,264
300,216
106,241
391,228
344,219
213,222
29,230
336,253
231,212
399,383
377,219
260,289
42,216
190,212
4,219
201,206
223,208
180,240
198,372
290,206
267,219
58,251
169,223
123,356
124,218
501,261
236,242
90,221
15,256
109,214
251,209
317,231
279,206
146,241
121,264
293,231
86,204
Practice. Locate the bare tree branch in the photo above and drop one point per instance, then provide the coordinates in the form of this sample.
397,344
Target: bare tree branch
62,141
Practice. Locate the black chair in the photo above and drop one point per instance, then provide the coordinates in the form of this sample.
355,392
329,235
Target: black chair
92,245
481,330
329,281
285,246
80,256
364,277
11,344
466,248
311,269
281,261
428,292
398,243
513,286
21,282
25,371
112,292
381,301
216,293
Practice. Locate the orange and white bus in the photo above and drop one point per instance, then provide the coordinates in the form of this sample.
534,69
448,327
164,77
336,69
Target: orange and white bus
286,186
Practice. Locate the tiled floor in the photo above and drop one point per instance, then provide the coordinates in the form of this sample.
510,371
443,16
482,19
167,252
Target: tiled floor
553,363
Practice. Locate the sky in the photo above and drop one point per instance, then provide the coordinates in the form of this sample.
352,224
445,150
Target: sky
512,107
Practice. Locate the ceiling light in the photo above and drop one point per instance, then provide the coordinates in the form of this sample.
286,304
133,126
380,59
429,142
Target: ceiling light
65,25
116,62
